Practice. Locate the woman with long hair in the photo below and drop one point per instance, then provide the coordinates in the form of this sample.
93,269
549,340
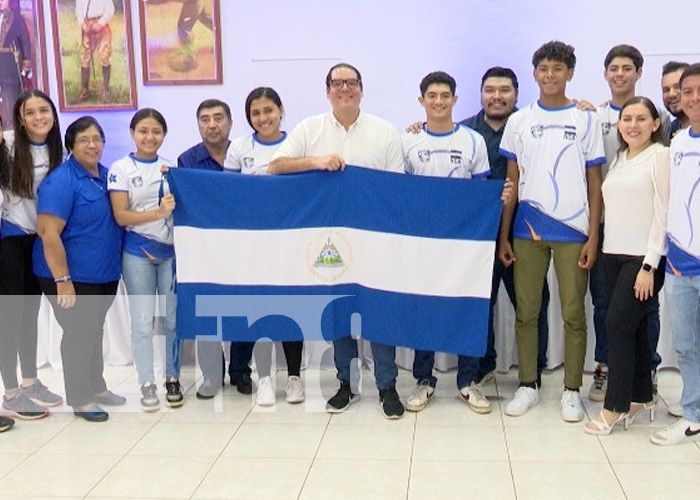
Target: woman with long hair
35,145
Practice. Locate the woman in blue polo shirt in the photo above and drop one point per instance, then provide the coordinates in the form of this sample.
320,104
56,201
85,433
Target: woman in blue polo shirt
34,146
250,154
78,262
141,201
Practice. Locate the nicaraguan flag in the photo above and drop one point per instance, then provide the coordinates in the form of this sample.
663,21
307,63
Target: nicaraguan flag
405,259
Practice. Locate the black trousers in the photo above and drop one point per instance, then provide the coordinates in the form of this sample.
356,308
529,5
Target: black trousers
629,363
83,331
20,298
292,352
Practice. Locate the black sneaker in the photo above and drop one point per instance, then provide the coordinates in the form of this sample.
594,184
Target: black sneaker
174,393
391,404
243,383
6,423
149,398
342,399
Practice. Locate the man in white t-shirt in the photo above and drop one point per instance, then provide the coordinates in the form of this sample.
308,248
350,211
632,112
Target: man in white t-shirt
444,149
327,142
554,153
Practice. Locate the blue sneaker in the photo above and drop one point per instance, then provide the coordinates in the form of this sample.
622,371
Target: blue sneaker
41,395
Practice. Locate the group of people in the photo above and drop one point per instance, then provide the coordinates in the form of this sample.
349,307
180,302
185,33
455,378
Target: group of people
71,228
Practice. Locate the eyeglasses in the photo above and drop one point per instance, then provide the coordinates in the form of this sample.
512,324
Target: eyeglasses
351,83
84,141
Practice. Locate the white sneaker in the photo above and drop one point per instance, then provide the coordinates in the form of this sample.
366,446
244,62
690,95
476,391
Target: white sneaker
571,406
676,411
680,432
294,391
420,397
266,393
524,399
473,395
599,387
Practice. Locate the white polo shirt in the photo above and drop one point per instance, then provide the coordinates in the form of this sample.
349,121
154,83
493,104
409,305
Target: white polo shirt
249,155
19,214
370,142
459,153
553,149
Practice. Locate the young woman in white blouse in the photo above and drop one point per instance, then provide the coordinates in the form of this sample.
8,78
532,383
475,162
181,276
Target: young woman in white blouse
141,201
251,154
635,193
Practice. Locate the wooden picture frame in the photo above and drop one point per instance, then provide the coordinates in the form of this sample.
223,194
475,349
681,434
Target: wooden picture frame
94,55
21,67
181,42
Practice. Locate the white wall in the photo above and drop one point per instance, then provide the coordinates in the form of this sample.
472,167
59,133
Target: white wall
394,43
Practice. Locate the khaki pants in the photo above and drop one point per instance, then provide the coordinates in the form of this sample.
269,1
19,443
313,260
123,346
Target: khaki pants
529,274
100,41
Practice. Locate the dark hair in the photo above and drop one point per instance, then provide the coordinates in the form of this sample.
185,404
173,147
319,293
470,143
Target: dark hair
22,176
144,113
5,163
213,103
623,50
437,77
555,51
657,135
81,125
691,70
672,67
259,93
342,65
500,72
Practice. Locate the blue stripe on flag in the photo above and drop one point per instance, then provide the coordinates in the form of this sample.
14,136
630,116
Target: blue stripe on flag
356,198
456,325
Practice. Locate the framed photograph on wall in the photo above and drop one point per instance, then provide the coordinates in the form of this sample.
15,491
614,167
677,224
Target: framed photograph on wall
94,54
180,42
22,55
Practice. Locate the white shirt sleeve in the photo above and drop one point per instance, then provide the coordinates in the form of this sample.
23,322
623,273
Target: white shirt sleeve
661,180
117,180
593,149
394,154
232,162
295,144
481,163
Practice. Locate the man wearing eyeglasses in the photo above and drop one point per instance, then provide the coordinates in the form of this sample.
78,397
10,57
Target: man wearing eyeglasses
327,142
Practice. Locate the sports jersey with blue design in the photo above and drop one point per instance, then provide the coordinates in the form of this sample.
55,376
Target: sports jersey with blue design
459,153
143,181
553,148
249,155
19,214
684,205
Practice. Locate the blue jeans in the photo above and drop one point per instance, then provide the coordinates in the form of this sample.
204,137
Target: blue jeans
683,295
144,279
653,330
472,369
385,370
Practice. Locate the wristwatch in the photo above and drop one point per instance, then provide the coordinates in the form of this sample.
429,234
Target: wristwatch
647,268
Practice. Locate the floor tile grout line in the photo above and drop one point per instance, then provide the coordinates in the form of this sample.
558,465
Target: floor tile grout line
410,459
313,459
123,456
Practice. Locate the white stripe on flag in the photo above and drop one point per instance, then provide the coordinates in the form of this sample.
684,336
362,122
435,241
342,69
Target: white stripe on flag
294,257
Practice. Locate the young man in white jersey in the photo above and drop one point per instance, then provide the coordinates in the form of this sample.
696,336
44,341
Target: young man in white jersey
554,153
623,68
327,142
682,285
443,149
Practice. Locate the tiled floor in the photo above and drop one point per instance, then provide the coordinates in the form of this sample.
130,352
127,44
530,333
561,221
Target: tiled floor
223,448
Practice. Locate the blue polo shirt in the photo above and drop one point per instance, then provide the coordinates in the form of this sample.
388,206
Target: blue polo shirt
499,164
198,157
91,236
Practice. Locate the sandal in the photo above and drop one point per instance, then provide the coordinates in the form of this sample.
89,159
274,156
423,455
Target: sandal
599,426
640,408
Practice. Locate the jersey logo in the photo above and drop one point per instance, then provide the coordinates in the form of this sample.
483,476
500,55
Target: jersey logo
537,131
569,133
456,159
606,128
678,158
248,162
328,255
137,181
424,155
112,178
